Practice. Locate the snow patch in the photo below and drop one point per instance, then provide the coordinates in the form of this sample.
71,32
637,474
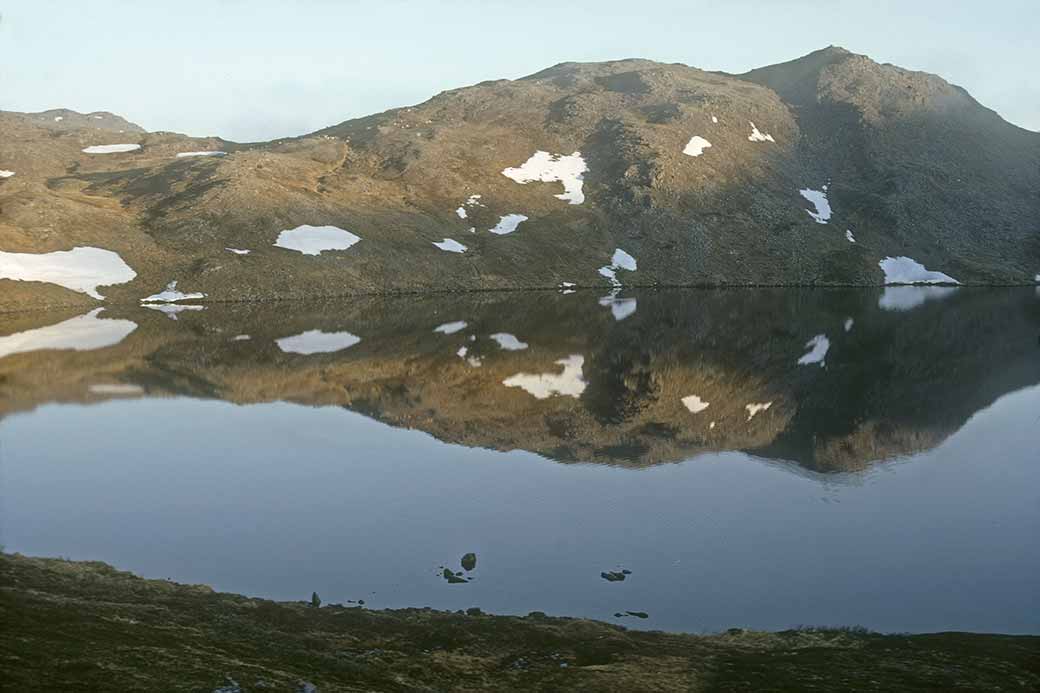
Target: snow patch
181,155
696,146
568,383
451,327
849,237
449,245
695,404
111,148
549,168
241,338
509,342
82,333
757,136
620,261
6,174
818,347
508,224
714,119
904,270
58,119
819,199
753,409
314,240
317,342
461,211
849,322
81,269
238,251
170,294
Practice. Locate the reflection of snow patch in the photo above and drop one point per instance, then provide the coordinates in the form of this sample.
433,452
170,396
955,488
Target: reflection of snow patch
819,200
904,270
450,245
81,269
818,346
451,327
473,361
317,342
81,333
757,136
508,224
849,322
548,168
621,308
543,385
170,310
695,404
753,409
116,389
901,298
314,240
508,342
696,146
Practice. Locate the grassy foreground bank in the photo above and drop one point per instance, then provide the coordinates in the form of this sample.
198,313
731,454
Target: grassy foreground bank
84,626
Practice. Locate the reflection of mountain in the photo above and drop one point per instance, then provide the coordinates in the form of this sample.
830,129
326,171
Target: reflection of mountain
827,379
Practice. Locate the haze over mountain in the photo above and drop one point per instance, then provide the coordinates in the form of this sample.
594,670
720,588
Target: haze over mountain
826,170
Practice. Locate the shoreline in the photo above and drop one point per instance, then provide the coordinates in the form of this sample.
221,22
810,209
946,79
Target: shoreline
79,626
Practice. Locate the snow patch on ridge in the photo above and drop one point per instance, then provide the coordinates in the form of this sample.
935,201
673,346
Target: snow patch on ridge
757,136
696,146
181,155
695,404
819,200
170,294
508,224
81,269
111,148
905,270
6,174
449,245
549,168
314,240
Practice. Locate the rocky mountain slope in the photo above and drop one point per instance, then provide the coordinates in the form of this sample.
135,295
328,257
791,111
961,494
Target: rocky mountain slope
830,169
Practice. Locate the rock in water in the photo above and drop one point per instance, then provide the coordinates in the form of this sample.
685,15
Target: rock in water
469,561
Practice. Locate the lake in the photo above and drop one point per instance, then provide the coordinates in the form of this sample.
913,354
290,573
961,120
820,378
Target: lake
703,459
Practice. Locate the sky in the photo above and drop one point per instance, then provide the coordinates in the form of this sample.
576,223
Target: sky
262,69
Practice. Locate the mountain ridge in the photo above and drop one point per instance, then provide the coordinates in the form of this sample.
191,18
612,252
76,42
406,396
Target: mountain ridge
810,172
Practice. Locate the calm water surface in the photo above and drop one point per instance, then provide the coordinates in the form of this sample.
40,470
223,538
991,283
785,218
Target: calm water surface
864,457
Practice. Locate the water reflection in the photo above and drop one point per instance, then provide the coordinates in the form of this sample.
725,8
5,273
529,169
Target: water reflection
831,380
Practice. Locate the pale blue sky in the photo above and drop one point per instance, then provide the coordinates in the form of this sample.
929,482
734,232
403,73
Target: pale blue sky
263,69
